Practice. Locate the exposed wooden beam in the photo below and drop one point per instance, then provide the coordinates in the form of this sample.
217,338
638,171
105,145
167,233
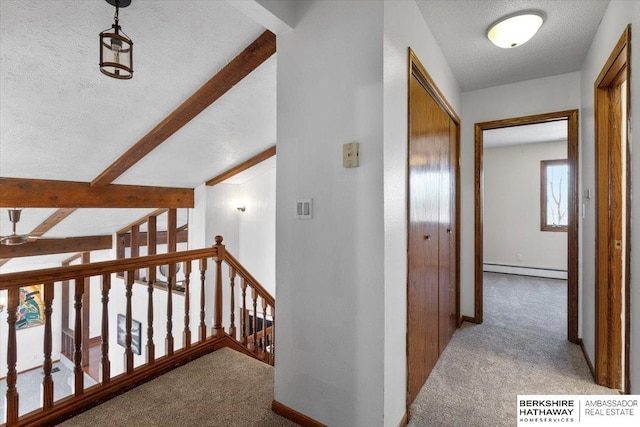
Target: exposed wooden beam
56,246
141,221
172,225
40,193
72,258
53,220
236,70
269,152
182,236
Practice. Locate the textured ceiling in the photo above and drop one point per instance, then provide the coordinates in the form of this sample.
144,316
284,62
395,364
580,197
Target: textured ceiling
525,134
62,119
460,27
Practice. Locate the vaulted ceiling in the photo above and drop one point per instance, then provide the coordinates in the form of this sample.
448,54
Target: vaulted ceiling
61,119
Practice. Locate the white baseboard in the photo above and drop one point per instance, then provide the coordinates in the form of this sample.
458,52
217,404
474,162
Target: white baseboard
525,271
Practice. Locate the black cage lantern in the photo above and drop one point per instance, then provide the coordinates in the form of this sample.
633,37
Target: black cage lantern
116,48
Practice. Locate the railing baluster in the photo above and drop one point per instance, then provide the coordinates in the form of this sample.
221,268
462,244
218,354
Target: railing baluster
272,349
152,240
232,279
218,329
47,381
264,329
104,360
169,338
151,347
12,397
243,319
78,384
128,352
186,335
254,296
202,333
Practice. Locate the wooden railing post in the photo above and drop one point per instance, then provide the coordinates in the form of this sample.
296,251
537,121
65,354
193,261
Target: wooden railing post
244,319
12,357
273,336
218,329
128,352
104,360
152,234
78,372
232,326
254,297
186,335
264,330
202,330
168,342
47,381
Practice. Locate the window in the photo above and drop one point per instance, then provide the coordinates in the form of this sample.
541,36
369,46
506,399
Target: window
554,195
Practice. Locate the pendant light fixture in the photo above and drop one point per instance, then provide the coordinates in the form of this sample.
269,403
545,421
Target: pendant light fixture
515,30
116,48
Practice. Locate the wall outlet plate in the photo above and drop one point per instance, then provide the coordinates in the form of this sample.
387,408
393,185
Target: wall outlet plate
350,155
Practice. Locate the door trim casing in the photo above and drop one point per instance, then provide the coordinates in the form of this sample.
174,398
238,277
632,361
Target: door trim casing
608,306
572,233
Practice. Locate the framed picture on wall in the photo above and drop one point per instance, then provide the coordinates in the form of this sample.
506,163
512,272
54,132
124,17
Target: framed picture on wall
30,311
136,330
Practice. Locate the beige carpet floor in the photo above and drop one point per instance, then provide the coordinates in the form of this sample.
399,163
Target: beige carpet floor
224,388
521,348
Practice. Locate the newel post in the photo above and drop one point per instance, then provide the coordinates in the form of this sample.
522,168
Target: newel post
218,329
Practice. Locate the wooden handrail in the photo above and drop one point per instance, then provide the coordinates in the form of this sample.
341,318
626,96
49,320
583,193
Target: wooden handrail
56,274
262,292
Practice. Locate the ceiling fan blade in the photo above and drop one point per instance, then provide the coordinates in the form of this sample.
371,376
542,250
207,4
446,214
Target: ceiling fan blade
14,239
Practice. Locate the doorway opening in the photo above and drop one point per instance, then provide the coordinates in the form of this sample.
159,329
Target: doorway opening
570,223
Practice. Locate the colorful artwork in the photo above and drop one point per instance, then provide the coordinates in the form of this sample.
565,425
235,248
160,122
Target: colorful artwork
30,308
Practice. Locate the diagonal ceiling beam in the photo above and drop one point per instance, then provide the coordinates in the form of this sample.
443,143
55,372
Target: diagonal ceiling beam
56,246
268,153
54,219
232,73
41,193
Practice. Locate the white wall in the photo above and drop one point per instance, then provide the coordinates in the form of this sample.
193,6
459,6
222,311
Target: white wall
511,218
616,18
404,27
545,95
257,228
329,270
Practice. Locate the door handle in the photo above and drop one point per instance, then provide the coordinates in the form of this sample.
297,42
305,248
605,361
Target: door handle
448,230
427,237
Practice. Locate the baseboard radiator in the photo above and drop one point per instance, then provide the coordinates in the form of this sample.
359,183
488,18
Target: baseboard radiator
525,271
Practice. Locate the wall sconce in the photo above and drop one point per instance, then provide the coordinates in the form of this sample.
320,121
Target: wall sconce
116,48
241,208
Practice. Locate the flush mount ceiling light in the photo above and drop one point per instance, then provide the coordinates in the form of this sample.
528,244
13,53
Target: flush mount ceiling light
514,30
116,48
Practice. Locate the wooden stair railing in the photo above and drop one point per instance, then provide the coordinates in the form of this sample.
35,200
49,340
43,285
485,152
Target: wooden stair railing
256,327
142,360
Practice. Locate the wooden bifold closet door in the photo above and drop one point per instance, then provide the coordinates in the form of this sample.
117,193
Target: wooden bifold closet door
431,306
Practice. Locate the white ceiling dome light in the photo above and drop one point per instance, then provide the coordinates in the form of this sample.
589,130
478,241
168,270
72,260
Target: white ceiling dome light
514,30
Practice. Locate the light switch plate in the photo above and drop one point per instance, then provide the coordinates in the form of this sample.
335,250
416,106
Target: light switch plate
304,209
350,155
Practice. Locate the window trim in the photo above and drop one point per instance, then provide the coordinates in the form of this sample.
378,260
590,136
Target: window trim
544,164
